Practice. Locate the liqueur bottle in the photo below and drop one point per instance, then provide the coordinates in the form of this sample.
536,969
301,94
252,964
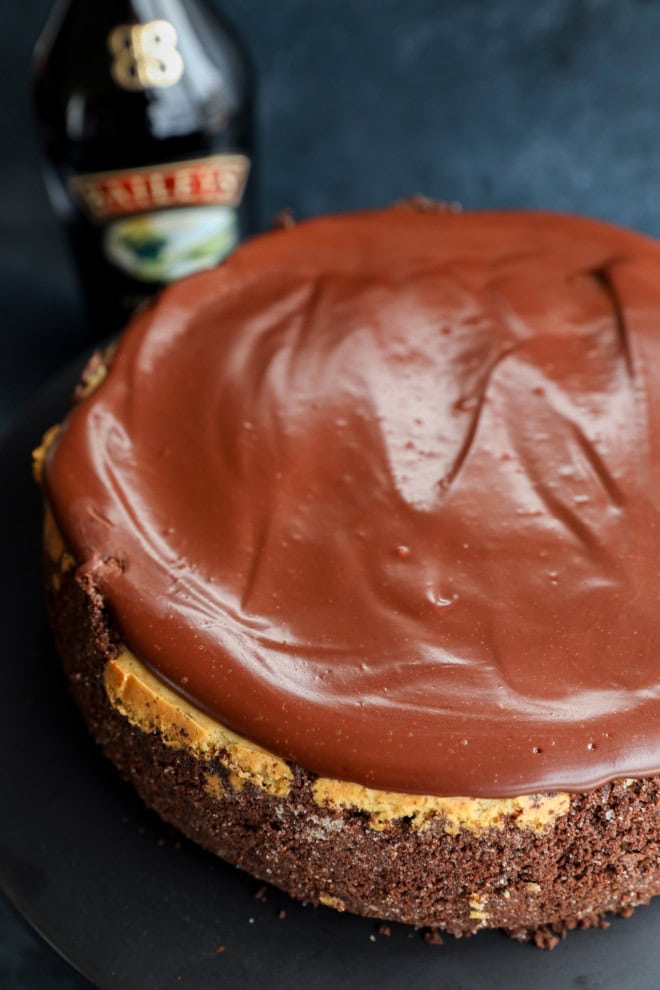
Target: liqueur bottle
144,109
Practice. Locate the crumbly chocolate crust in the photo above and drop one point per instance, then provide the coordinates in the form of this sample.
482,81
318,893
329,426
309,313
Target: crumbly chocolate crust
602,856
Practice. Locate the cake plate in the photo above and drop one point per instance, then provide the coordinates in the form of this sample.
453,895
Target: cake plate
132,905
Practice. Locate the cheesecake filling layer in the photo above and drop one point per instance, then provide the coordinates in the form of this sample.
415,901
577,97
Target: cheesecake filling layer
152,707
381,494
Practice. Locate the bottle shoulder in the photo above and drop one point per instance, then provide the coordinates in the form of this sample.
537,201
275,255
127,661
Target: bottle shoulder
99,82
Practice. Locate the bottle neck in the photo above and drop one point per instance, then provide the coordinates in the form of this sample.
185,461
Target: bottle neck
122,11
137,11
110,85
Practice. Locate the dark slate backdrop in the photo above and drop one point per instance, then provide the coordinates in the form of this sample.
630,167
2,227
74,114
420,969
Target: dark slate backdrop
551,104
491,102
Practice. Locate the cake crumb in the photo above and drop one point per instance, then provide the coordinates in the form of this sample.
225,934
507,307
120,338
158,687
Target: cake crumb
281,914
432,937
261,894
284,220
544,938
385,930
425,205
219,948
250,921
372,938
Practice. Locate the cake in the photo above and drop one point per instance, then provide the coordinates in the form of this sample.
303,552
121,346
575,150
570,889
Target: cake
352,558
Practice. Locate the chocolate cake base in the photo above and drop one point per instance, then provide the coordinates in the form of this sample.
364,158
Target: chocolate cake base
601,855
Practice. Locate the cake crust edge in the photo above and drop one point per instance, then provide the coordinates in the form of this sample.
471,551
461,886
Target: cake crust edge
593,853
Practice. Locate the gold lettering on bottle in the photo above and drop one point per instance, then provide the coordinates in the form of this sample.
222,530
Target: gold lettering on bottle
145,55
160,194
183,186
218,180
208,181
95,198
119,198
140,190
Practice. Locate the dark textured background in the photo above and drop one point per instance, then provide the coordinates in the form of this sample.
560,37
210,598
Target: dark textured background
491,102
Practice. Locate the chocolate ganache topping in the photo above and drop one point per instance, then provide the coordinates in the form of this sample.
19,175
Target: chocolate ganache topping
384,491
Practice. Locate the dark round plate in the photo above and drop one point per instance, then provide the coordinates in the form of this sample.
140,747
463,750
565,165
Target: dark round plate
131,905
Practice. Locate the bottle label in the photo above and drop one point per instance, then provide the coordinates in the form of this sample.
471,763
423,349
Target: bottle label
145,55
164,246
215,181
166,221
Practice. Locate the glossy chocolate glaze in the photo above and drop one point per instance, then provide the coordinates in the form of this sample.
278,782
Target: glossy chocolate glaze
381,493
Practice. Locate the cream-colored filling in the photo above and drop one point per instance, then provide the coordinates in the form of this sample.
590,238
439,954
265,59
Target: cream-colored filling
153,707
535,811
